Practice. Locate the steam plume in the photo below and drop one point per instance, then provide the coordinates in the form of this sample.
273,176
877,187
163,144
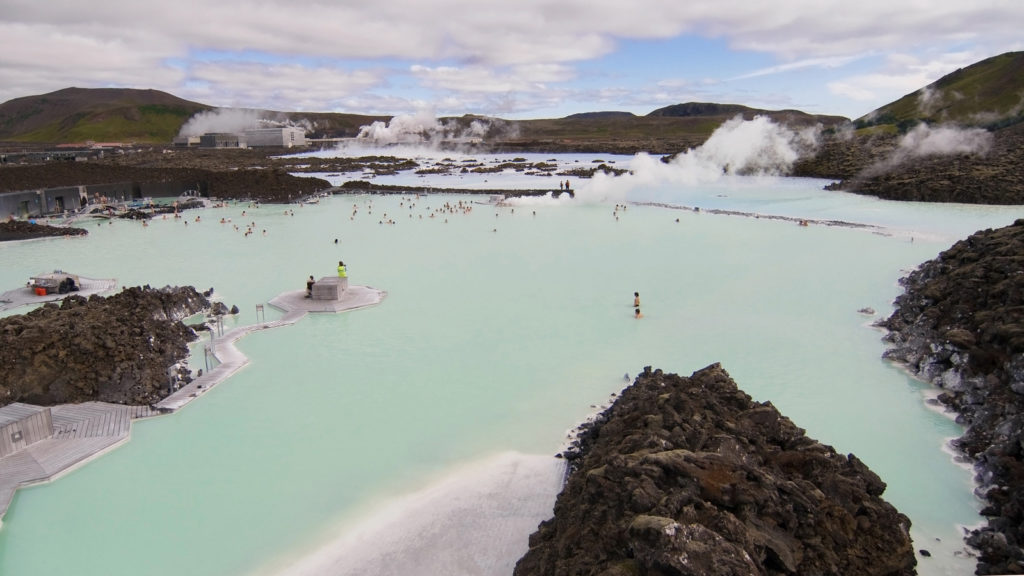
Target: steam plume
236,120
923,140
423,128
930,99
758,147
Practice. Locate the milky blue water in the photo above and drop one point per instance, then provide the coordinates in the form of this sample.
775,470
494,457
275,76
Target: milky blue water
373,434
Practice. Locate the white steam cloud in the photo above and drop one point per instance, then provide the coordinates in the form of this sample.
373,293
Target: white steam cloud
757,147
754,147
405,129
929,100
923,140
236,120
997,116
423,128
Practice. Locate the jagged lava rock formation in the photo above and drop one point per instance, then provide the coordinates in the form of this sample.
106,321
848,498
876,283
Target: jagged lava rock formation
960,326
116,349
22,230
690,476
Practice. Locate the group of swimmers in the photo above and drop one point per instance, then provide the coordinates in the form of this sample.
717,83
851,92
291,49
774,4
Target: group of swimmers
463,207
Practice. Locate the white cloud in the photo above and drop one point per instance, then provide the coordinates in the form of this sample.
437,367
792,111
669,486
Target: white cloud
855,89
830,62
314,54
488,80
286,87
30,65
799,29
902,75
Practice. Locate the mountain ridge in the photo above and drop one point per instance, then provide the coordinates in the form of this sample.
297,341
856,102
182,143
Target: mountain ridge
988,94
99,114
959,139
155,117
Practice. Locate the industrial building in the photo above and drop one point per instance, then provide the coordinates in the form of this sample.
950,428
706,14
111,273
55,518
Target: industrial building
281,137
186,141
222,140
287,137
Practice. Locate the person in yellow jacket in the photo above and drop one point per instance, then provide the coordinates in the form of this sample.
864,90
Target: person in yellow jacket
341,270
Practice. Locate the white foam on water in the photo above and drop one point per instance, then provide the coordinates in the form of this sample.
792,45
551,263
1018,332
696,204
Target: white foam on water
476,521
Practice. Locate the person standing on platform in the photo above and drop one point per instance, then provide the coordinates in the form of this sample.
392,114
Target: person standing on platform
342,273
309,286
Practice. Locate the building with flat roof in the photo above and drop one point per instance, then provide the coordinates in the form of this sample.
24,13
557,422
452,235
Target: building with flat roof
287,137
186,141
222,140
31,203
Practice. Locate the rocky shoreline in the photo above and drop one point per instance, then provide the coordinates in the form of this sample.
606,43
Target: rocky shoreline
960,326
128,348
22,230
690,476
871,164
265,184
877,165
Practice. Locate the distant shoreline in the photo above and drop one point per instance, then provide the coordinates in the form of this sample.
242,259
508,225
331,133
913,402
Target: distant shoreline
13,230
800,221
361,187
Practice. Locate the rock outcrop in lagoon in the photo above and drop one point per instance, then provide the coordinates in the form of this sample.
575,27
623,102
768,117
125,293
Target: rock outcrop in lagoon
22,230
690,476
117,349
960,326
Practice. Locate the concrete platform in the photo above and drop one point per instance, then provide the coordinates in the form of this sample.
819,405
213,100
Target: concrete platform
352,298
24,296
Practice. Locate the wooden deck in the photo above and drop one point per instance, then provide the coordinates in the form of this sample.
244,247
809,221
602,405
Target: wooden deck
92,419
81,432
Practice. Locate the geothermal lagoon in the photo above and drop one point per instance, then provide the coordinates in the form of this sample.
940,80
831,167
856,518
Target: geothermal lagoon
418,436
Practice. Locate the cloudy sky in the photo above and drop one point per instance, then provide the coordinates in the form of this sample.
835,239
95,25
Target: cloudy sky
512,59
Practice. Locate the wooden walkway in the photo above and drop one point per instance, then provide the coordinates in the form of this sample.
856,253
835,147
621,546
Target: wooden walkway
81,433
85,431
